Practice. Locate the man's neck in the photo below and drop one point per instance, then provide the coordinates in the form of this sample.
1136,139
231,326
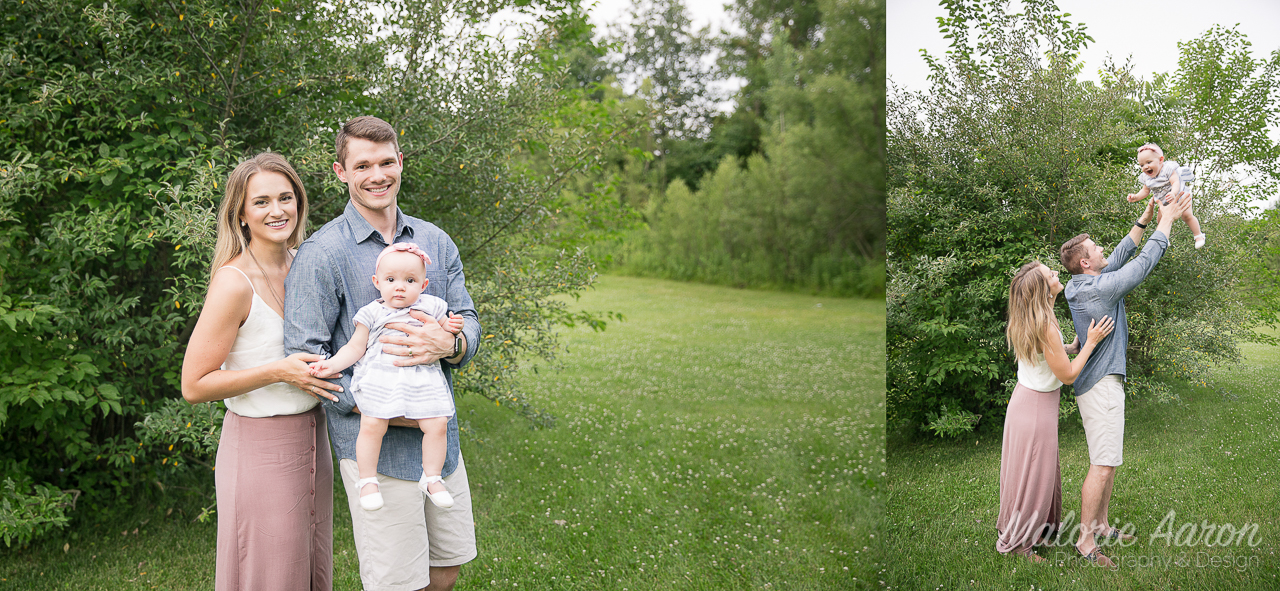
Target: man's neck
384,221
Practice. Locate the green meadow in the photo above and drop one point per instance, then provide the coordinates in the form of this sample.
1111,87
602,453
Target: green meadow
1196,474
714,439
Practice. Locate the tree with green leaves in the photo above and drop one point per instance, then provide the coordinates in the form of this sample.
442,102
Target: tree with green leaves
671,67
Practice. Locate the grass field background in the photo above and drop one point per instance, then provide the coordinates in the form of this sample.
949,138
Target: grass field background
714,439
1212,460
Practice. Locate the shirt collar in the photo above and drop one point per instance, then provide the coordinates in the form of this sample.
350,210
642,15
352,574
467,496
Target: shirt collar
362,230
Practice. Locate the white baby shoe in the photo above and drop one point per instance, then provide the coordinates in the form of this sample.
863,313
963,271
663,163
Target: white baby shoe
1199,240
371,501
441,499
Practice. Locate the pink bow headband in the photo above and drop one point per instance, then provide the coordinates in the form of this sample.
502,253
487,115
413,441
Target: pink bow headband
408,247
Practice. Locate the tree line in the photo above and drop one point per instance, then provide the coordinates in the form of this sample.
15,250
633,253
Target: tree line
785,189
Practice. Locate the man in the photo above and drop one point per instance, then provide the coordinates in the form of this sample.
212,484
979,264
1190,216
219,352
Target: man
1097,289
408,543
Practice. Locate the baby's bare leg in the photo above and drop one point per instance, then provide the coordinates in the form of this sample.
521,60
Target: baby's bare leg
1194,224
368,448
433,448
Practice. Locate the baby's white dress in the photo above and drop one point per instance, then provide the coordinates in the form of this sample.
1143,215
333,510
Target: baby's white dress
1162,183
385,391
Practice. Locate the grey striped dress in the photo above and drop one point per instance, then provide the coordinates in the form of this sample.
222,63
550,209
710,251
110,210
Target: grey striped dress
385,391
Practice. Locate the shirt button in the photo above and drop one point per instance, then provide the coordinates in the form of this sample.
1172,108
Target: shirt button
313,470
313,448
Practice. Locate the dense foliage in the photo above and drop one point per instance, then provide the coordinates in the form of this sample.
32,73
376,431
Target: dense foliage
788,190
1008,155
121,120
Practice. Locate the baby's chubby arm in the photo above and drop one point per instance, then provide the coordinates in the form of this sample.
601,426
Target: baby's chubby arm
347,356
1175,184
1140,195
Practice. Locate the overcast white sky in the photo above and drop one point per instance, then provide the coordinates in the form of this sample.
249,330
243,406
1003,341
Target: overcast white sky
702,12
1149,31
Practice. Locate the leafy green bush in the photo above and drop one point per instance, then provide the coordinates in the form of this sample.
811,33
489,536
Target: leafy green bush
24,517
952,422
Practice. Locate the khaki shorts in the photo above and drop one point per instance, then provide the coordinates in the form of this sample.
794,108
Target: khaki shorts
1102,411
399,542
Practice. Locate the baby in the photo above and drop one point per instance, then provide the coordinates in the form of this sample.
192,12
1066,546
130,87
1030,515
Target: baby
1166,180
384,391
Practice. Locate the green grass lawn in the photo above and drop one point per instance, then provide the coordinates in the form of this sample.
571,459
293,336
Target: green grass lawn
715,439
1210,460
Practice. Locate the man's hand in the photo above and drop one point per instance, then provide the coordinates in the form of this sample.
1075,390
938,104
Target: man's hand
1172,211
1148,213
422,344
1074,347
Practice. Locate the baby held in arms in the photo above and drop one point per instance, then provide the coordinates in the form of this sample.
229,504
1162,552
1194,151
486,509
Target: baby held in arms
384,391
1165,180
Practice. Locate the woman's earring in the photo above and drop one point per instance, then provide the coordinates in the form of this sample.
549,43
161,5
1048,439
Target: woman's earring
243,224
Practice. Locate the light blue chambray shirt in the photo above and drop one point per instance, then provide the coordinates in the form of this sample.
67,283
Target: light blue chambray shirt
330,280
1091,297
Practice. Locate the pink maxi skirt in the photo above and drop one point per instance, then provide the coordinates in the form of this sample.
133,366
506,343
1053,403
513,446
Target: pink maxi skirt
274,481
1030,478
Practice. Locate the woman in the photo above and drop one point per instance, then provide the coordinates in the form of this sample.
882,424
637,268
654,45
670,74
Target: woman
274,473
1030,479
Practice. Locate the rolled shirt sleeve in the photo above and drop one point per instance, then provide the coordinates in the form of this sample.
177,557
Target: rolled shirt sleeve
460,303
312,305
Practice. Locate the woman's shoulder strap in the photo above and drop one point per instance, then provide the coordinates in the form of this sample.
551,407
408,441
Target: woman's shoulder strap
242,274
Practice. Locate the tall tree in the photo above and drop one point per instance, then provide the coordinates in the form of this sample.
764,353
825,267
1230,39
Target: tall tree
671,66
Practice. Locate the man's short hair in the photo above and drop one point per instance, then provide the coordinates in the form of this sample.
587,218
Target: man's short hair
365,127
1072,252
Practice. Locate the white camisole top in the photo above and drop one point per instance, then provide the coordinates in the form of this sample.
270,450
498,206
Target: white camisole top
261,341
1038,376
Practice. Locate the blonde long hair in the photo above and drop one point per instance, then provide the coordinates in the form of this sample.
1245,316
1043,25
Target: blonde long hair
1030,312
234,239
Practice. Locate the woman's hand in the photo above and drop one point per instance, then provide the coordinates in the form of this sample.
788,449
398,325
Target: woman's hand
1100,329
295,371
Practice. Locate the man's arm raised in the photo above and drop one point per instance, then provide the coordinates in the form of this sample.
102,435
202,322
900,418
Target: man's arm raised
1139,227
1119,283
